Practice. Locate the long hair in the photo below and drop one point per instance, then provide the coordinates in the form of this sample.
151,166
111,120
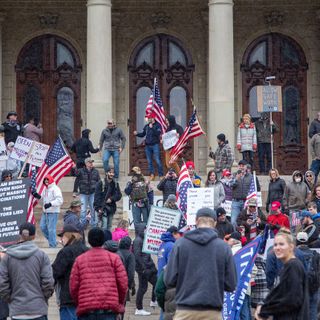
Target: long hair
276,172
123,224
314,193
72,237
209,174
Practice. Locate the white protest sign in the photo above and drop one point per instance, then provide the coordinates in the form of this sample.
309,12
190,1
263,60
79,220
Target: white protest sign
169,139
160,219
198,198
226,205
3,149
127,208
21,149
38,154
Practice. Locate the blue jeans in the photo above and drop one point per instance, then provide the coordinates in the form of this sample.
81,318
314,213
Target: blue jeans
87,200
48,226
68,313
245,312
161,315
264,153
236,208
154,152
313,305
106,221
40,318
137,212
98,316
116,158
315,167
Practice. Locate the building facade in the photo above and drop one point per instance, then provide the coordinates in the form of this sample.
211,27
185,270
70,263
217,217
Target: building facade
74,64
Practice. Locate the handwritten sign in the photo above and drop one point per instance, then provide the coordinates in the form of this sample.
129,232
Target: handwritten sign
198,198
21,149
38,154
3,149
226,205
169,139
160,219
269,98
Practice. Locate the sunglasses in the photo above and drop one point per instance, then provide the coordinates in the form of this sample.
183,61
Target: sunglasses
309,175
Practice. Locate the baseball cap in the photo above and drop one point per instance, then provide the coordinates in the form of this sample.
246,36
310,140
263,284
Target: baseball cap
11,144
226,172
235,235
68,228
136,170
302,237
173,229
27,227
220,211
172,198
88,160
305,213
252,202
206,212
190,164
275,205
11,113
75,203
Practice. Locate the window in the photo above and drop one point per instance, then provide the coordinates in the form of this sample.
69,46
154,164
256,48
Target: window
253,103
259,54
178,105
31,103
145,55
64,55
289,53
176,55
143,95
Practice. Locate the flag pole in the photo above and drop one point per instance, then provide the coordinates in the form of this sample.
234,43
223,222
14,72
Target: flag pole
153,91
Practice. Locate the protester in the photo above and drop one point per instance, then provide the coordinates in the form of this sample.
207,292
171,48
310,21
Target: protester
252,219
73,246
218,189
234,241
137,190
26,280
315,153
13,165
98,281
112,142
6,175
314,126
281,302
247,138
223,156
12,128
226,181
83,148
311,229
52,201
152,132
86,181
33,130
277,219
146,271
196,180
309,180
72,217
172,125
224,227
171,203
312,208
276,188
201,249
121,231
106,196
315,197
4,307
168,185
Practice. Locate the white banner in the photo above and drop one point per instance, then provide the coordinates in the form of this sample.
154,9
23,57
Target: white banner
3,149
21,149
38,154
160,219
198,198
169,139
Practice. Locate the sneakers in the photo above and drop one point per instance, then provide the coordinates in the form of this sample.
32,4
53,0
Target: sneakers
153,303
142,312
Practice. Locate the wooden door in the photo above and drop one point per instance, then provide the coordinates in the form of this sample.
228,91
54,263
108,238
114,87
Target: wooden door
280,56
48,87
165,58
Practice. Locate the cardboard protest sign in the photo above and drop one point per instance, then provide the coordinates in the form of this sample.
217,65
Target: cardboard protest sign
269,98
127,208
198,198
169,139
21,149
13,209
38,154
3,149
160,219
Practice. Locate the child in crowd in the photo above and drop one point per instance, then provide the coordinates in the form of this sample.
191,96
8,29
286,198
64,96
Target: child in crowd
121,231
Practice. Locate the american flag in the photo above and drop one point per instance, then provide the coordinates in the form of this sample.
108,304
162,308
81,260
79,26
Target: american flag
57,164
191,131
184,183
33,188
252,193
155,105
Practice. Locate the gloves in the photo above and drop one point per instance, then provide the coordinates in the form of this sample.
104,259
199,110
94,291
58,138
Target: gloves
47,205
36,195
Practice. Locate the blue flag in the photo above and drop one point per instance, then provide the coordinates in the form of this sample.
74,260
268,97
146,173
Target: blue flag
244,260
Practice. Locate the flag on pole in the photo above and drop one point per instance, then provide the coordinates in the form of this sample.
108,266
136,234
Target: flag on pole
33,188
57,164
184,183
191,131
252,193
155,106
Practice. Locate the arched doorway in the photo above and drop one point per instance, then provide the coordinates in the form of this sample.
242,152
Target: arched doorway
164,57
48,87
278,55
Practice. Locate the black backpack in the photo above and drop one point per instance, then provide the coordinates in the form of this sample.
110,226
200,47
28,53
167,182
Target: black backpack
312,265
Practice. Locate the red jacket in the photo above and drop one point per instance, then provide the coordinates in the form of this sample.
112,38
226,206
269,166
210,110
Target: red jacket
98,281
280,219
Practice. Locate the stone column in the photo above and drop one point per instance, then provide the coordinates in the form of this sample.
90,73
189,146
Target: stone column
99,67
2,17
221,72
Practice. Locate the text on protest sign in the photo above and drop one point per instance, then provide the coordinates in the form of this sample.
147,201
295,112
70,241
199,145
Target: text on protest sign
38,154
169,139
160,219
3,149
13,209
21,149
269,98
198,198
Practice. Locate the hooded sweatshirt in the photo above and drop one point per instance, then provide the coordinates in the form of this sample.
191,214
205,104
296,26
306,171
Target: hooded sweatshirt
83,147
166,246
173,125
201,267
312,183
52,194
26,279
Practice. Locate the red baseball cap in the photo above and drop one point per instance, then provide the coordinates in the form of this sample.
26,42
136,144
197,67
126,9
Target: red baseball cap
275,205
226,172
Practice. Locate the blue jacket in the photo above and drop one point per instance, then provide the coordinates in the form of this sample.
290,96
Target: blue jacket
316,219
165,249
152,134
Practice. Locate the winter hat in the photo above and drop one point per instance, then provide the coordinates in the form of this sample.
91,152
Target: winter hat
221,137
190,164
302,237
125,243
111,245
206,212
172,198
220,211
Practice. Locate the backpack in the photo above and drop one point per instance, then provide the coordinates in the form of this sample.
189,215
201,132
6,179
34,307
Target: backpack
312,265
139,191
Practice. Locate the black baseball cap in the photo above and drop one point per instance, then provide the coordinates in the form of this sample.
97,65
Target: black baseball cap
173,229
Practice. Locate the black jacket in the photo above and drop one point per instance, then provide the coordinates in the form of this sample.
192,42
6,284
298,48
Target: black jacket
83,146
152,134
11,132
143,260
62,266
173,125
224,228
275,191
167,186
240,188
86,180
104,191
314,128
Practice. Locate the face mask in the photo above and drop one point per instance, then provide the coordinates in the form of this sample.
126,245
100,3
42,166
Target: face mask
297,180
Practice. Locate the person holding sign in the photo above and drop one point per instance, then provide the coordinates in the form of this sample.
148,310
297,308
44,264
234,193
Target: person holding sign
218,189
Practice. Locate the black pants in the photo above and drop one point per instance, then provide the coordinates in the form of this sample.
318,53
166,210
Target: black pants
144,278
264,153
248,156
